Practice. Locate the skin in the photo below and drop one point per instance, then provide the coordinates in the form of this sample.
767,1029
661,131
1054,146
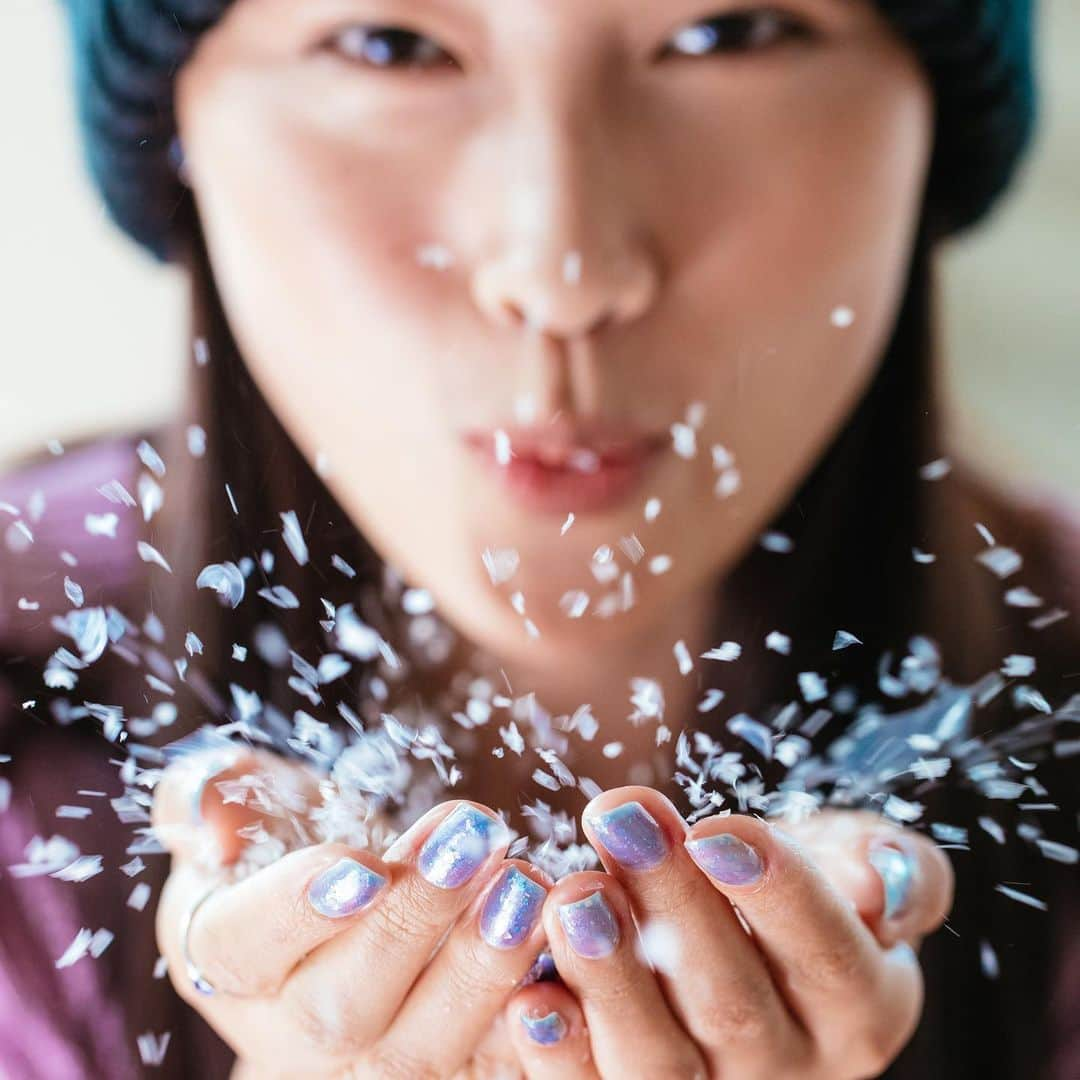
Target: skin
791,184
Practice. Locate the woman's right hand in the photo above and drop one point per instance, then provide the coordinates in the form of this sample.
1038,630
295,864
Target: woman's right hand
332,962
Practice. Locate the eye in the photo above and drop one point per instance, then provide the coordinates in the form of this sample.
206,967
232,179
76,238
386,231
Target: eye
738,31
387,47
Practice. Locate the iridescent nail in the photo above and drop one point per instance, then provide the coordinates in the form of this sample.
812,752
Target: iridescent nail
897,871
459,845
632,836
511,910
726,858
544,1030
590,926
344,888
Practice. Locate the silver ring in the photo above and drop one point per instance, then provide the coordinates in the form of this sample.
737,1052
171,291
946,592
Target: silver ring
201,983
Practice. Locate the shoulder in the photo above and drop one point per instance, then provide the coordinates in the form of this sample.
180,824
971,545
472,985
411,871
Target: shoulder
65,516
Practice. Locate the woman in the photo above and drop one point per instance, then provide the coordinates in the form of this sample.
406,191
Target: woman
492,298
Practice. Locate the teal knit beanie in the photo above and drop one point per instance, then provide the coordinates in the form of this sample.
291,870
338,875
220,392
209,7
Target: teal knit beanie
978,54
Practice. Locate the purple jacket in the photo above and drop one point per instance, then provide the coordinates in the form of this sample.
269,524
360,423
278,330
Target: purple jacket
105,1013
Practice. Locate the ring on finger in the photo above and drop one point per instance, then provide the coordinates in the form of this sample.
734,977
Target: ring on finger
201,983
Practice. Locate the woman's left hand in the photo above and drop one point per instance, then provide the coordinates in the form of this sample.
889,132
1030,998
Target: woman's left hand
825,984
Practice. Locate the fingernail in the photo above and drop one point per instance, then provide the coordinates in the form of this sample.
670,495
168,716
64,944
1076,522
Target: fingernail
459,845
897,872
204,770
511,910
590,926
726,858
544,1030
632,836
346,887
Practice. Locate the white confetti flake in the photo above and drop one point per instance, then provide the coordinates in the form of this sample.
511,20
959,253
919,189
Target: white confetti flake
935,470
658,946
612,750
571,268
193,644
695,414
812,686
567,523
1022,596
435,256
149,553
778,642
844,640
710,700
139,896
574,603
225,579
417,601
151,497
339,564
152,1048
652,508
727,650
232,500
78,948
684,440
56,447
28,605
81,869
1018,666
1001,561
1056,851
1041,622
115,492
501,564
632,547
545,780
660,564
922,556
842,317
150,458
73,591
293,537
101,524
988,960
1021,897
772,540
200,351
196,441
727,483
683,658
722,457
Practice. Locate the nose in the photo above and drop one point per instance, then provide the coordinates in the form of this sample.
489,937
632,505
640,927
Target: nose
570,256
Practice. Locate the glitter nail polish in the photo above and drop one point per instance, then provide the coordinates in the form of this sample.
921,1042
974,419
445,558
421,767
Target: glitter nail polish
544,1030
511,909
590,926
344,888
897,871
726,858
459,845
632,836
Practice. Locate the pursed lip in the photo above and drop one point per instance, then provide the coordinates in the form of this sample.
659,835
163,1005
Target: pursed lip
583,446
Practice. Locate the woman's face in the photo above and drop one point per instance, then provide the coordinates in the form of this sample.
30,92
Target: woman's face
445,231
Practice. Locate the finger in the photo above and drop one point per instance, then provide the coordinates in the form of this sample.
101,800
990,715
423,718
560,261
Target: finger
345,994
548,1032
247,936
205,801
593,940
691,933
900,882
485,957
824,960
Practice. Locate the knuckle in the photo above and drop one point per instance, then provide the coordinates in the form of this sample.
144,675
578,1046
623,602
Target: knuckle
325,1033
733,1017
837,967
388,1061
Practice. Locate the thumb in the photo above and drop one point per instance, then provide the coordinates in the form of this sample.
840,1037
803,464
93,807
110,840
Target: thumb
899,882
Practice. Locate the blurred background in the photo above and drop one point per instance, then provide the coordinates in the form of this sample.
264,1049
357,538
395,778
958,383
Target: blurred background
94,330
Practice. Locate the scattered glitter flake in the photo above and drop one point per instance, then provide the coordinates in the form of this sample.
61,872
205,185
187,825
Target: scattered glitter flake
501,563
948,834
574,603
1041,622
417,602
1018,666
161,967
1056,851
754,732
101,524
201,351
659,946
571,268
778,642
294,538
567,523
684,440
902,810
152,1048
196,441
647,697
1002,561
1022,596
632,548
56,447
76,812
150,458
100,941
812,686
545,780
517,601
922,556
354,636
722,457
512,738
115,492
771,540
339,564
603,565
584,723
81,869
727,483
149,553
5,793
683,658
612,750
842,317
695,414
435,256
28,605
1021,897
280,596
985,533
232,500
660,564
652,508
139,896
322,463
996,788
78,948
502,447
935,470
992,828
151,497
710,700
73,591
225,579
727,650
843,640
532,629
193,644
133,868
988,960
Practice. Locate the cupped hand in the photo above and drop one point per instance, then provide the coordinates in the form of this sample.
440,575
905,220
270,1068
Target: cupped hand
733,948
331,962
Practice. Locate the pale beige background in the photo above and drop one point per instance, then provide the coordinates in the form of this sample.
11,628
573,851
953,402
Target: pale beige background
93,329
